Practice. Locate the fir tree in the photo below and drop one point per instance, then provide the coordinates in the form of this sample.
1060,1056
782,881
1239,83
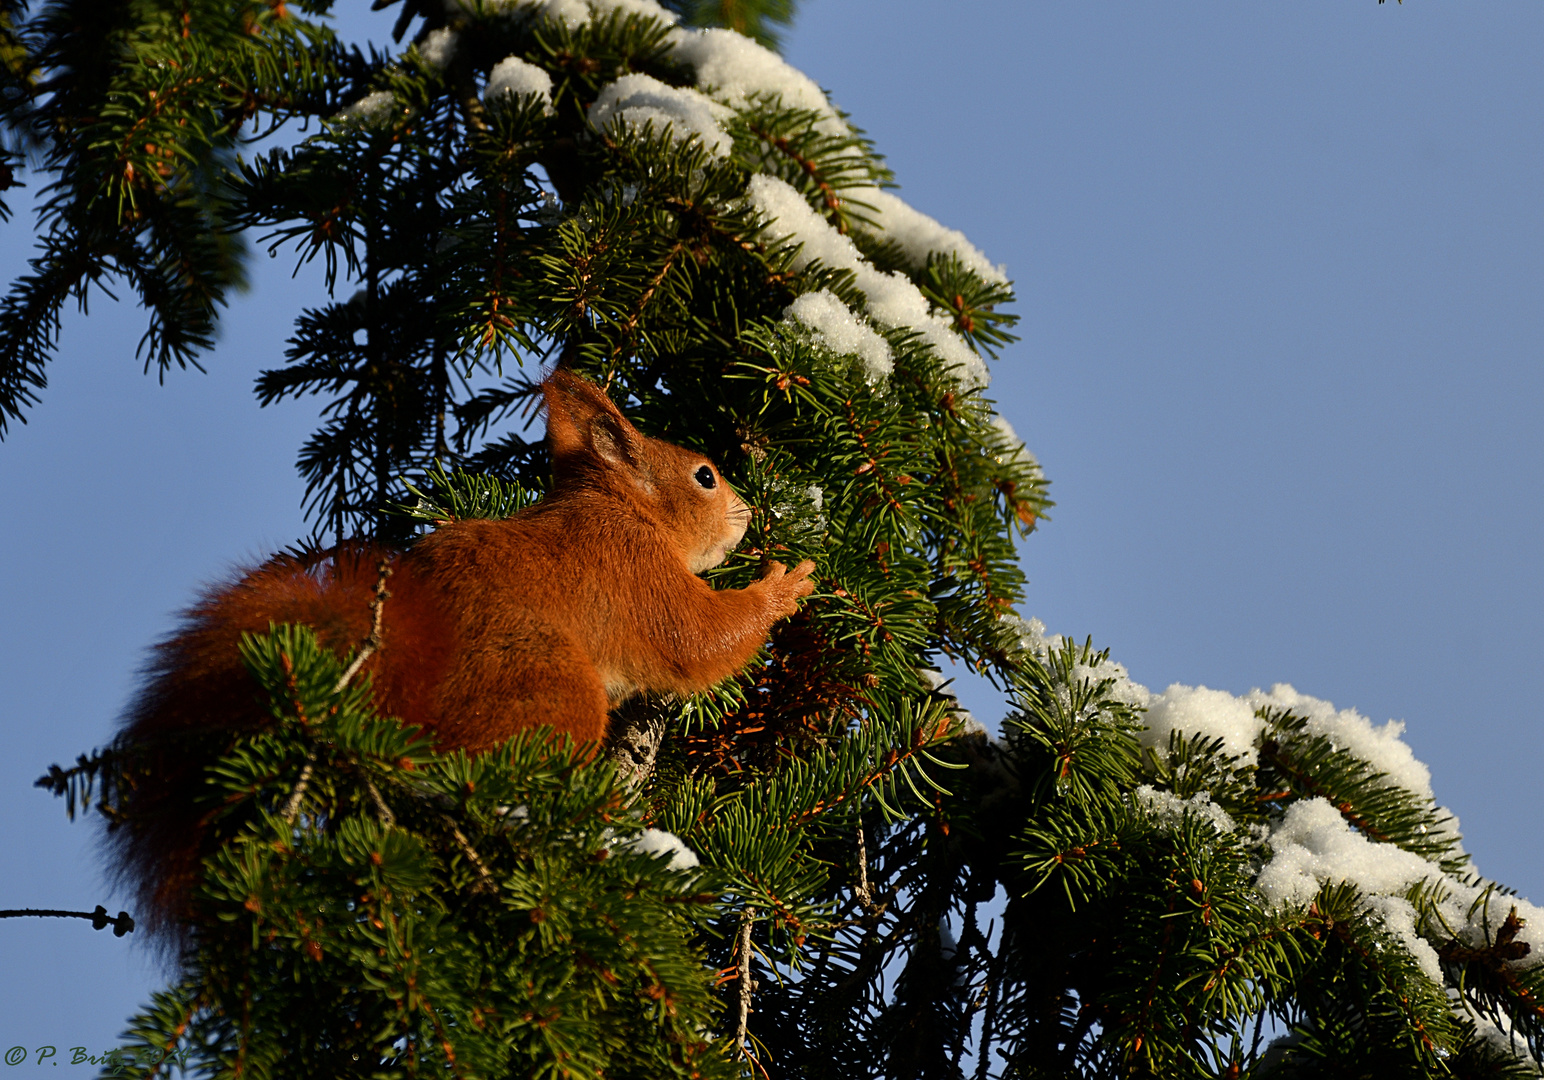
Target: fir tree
685,219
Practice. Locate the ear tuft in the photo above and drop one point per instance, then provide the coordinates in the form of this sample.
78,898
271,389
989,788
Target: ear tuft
608,441
582,422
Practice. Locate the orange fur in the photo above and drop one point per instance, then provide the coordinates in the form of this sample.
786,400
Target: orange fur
551,617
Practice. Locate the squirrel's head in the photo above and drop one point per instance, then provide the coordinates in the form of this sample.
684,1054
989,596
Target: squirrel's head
593,446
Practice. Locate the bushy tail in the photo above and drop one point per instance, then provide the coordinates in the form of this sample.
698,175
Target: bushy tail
197,699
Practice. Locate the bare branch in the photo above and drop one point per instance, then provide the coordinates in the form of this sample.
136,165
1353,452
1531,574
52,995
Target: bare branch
373,642
746,987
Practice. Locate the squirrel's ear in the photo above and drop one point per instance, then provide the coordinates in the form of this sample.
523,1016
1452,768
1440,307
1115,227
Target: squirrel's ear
581,420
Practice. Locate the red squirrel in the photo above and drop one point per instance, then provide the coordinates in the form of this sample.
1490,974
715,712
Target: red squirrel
553,616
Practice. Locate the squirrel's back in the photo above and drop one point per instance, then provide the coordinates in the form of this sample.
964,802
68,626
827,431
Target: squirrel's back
488,628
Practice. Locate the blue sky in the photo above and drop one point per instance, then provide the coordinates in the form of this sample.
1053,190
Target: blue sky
1280,270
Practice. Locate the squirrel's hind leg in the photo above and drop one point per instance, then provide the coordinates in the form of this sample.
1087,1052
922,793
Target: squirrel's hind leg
526,675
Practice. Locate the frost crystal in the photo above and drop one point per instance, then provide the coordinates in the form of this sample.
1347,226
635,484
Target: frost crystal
512,75
637,100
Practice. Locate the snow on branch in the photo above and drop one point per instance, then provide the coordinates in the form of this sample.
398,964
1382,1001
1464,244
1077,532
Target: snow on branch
919,236
1316,842
636,101
518,77
735,70
892,300
832,324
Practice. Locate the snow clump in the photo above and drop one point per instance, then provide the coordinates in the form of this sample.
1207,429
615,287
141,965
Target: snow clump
1380,746
1313,844
935,680
732,72
374,107
1122,688
648,8
438,48
735,70
1195,710
658,842
1501,1036
1022,455
1028,635
570,14
513,75
835,326
638,100
1171,809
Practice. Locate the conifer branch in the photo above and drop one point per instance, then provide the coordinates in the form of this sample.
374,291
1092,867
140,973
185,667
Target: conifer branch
121,923
763,301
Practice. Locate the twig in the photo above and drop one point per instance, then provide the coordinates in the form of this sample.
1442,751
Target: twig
994,975
487,883
864,893
373,642
292,807
387,817
122,923
747,918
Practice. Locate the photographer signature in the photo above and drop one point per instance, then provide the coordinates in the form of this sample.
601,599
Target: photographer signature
118,1061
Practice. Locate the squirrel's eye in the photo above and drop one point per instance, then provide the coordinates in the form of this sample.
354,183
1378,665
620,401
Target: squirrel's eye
706,478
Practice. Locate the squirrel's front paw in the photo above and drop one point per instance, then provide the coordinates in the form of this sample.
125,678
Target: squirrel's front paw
789,586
